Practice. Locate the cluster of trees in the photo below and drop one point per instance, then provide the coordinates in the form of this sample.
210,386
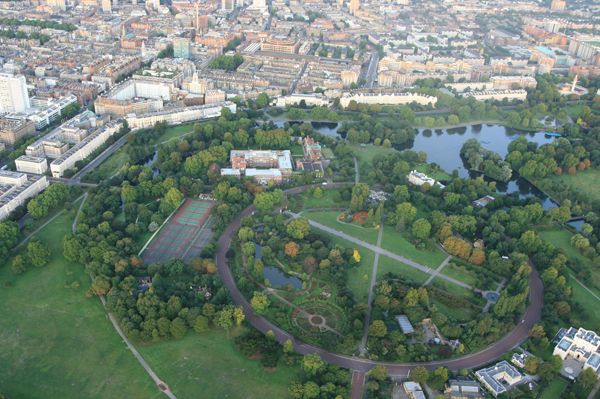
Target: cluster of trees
535,162
11,34
37,255
227,62
9,234
55,195
320,380
395,131
315,113
486,161
44,24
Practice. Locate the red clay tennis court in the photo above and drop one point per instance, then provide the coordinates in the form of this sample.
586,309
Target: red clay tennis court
184,235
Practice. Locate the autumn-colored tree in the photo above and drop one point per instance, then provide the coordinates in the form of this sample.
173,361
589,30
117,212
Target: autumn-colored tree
477,257
291,249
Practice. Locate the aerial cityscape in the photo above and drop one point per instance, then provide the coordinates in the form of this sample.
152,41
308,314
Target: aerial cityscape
300,199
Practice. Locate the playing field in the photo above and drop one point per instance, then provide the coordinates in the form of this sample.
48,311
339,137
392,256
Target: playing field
184,235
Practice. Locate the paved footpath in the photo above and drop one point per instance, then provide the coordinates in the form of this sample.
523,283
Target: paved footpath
363,342
438,270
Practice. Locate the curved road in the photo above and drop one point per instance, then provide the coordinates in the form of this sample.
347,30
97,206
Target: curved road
473,360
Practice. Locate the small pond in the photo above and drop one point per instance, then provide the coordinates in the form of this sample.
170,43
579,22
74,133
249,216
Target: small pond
278,279
576,223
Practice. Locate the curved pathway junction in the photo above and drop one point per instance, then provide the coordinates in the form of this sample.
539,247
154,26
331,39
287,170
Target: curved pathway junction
511,340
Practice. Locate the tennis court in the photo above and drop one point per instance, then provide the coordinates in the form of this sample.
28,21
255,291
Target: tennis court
184,235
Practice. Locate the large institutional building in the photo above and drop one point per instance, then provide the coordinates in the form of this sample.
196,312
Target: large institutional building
263,166
16,188
13,93
579,349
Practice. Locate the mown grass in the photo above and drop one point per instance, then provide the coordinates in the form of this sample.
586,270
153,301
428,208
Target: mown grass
394,241
389,265
329,219
208,365
57,343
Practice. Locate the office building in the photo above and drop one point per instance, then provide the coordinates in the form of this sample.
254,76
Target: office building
16,188
35,165
12,130
500,378
13,93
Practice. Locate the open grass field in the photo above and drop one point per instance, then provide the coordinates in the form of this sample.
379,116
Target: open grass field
554,389
389,265
453,288
458,313
395,242
174,132
590,317
460,273
330,199
329,218
209,366
55,342
585,182
366,154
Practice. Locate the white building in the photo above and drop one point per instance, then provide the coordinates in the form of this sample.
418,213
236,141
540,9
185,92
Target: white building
497,95
309,99
579,349
387,99
413,390
13,93
51,111
83,149
500,378
418,179
16,188
27,164
174,116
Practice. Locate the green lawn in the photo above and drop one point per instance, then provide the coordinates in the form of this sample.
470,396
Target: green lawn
389,265
554,389
591,317
366,154
461,273
452,288
585,182
437,174
329,219
458,313
55,342
330,199
174,132
112,165
209,366
395,242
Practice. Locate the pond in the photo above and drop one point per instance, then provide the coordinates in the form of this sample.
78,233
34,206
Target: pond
278,279
442,147
150,162
576,223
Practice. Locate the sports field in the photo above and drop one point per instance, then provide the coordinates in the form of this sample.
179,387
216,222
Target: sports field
184,235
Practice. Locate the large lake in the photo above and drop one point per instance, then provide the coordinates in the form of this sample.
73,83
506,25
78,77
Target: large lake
442,147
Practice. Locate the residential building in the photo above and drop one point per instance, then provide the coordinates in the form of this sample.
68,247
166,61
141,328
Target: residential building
500,378
16,188
387,99
177,115
579,349
13,93
497,95
558,5
35,165
418,179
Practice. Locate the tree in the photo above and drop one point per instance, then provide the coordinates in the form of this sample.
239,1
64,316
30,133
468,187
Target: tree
17,265
291,249
238,315
378,329
405,213
532,364
312,364
224,318
201,324
38,253
298,228
171,201
260,302
288,346
419,374
379,372
9,231
421,229
178,328
100,285
360,193
311,390
262,100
